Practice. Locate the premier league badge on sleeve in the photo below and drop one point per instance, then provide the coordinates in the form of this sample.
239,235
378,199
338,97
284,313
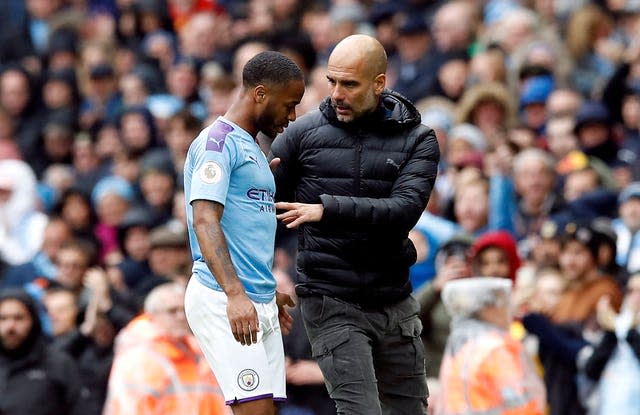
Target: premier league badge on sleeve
210,172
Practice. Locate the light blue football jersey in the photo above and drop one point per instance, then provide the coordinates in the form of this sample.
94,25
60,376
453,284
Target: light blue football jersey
224,164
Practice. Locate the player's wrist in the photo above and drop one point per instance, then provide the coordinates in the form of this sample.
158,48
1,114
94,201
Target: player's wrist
234,291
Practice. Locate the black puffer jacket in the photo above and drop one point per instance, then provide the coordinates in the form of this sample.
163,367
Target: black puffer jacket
373,177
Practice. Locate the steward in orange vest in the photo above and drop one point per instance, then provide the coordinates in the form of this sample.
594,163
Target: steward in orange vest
158,368
484,370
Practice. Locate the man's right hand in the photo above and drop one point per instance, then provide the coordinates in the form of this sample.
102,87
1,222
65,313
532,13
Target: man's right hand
243,319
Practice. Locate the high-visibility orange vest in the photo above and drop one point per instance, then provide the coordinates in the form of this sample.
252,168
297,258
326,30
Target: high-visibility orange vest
489,374
161,376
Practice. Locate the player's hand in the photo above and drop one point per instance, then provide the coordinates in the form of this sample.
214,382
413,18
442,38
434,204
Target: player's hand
243,319
286,321
298,213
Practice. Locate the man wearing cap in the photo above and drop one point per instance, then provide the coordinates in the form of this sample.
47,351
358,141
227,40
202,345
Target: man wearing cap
415,67
102,102
574,313
579,254
593,129
484,370
533,97
626,227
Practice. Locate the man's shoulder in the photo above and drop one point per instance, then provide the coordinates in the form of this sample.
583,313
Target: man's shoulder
309,121
215,137
300,128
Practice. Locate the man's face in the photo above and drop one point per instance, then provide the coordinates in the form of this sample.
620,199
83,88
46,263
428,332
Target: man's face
171,317
560,137
280,107
493,262
353,88
630,213
579,183
157,188
168,260
593,134
72,265
576,261
534,180
62,310
471,207
15,323
14,92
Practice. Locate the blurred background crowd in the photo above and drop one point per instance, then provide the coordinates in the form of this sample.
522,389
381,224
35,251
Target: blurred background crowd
535,103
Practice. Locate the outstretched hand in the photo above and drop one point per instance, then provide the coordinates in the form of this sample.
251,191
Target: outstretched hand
286,321
298,213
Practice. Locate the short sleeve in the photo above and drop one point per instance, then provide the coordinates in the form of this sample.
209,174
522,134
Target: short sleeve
213,159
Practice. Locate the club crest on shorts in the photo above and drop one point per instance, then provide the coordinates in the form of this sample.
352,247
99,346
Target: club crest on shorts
210,172
248,380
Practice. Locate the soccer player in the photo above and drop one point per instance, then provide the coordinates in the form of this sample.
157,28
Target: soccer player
231,302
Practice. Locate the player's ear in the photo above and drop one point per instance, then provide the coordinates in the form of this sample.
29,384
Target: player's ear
259,94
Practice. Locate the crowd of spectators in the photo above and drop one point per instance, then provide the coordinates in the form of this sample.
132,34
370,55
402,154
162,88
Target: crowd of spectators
535,103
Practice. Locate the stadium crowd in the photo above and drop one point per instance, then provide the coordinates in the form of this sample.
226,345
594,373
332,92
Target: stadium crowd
536,107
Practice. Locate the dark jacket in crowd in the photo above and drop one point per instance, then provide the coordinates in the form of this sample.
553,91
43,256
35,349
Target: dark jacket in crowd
94,363
559,348
36,379
373,177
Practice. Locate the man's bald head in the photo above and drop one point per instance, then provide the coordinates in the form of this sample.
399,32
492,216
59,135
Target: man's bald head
355,50
356,75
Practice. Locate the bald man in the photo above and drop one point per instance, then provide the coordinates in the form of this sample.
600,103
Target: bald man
354,177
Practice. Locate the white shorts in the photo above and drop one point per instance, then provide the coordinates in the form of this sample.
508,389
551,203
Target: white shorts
244,373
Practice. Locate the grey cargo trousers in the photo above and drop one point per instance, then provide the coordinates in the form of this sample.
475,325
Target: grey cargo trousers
372,359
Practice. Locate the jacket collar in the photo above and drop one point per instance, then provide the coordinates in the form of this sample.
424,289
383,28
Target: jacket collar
393,113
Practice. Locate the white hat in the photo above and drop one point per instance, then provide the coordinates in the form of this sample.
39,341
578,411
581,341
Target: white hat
469,133
466,296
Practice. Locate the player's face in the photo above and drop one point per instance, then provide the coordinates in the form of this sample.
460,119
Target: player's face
354,90
280,108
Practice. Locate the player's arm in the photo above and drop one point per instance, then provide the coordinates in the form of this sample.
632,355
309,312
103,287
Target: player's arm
242,315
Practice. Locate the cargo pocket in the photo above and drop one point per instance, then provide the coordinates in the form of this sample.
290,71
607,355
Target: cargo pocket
339,365
410,331
413,382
